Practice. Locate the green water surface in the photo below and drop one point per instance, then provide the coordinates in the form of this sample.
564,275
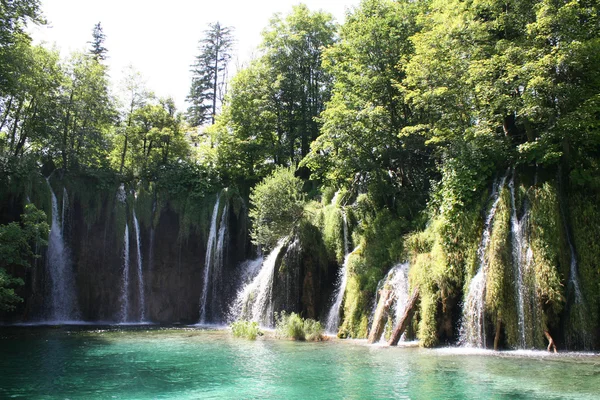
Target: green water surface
154,363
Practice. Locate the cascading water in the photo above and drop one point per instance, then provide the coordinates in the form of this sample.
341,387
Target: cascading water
396,280
213,264
522,254
125,281
140,272
63,299
578,308
333,316
254,301
472,331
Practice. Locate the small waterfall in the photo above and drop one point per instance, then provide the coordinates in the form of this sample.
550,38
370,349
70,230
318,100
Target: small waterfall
140,273
520,249
578,309
472,331
213,263
254,301
333,316
125,280
396,280
63,299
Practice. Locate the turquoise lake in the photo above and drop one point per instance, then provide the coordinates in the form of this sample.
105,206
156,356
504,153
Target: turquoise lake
192,363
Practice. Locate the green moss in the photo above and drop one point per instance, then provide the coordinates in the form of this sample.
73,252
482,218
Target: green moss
356,300
500,293
333,233
545,241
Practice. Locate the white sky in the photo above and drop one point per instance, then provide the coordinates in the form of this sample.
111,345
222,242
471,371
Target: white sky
160,38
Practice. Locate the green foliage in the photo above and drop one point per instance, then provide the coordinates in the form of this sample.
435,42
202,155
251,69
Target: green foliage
292,326
245,329
19,243
546,233
329,219
277,204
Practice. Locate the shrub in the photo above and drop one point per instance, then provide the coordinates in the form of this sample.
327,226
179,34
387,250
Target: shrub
293,326
277,205
246,329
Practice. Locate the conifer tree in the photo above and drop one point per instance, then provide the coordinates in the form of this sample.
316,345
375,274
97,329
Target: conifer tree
209,74
98,51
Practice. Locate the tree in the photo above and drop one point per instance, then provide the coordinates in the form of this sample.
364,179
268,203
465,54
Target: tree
368,133
293,51
209,74
98,51
245,134
14,16
17,241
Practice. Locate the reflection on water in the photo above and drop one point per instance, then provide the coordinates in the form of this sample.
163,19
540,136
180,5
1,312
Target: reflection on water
149,362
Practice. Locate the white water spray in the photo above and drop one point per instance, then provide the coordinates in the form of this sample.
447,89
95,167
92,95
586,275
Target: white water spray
254,301
125,278
63,299
140,272
472,331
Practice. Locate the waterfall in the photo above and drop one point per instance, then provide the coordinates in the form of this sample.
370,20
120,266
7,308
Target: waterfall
395,280
63,299
333,316
519,247
579,306
254,301
125,281
140,273
472,331
213,263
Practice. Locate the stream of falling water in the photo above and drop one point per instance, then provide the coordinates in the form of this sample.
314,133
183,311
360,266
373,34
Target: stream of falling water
333,316
140,272
254,301
472,330
395,280
125,278
521,253
213,265
63,298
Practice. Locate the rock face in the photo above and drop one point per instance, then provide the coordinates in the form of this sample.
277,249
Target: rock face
170,236
172,263
303,278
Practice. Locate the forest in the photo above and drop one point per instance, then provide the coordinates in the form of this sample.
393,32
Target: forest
461,137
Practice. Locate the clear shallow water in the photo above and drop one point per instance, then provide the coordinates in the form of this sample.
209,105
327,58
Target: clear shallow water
152,363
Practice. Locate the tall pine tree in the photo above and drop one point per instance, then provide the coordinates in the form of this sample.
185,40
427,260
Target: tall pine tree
209,74
98,51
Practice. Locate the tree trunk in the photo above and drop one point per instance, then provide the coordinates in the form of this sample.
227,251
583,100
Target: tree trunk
551,344
405,320
385,302
498,331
